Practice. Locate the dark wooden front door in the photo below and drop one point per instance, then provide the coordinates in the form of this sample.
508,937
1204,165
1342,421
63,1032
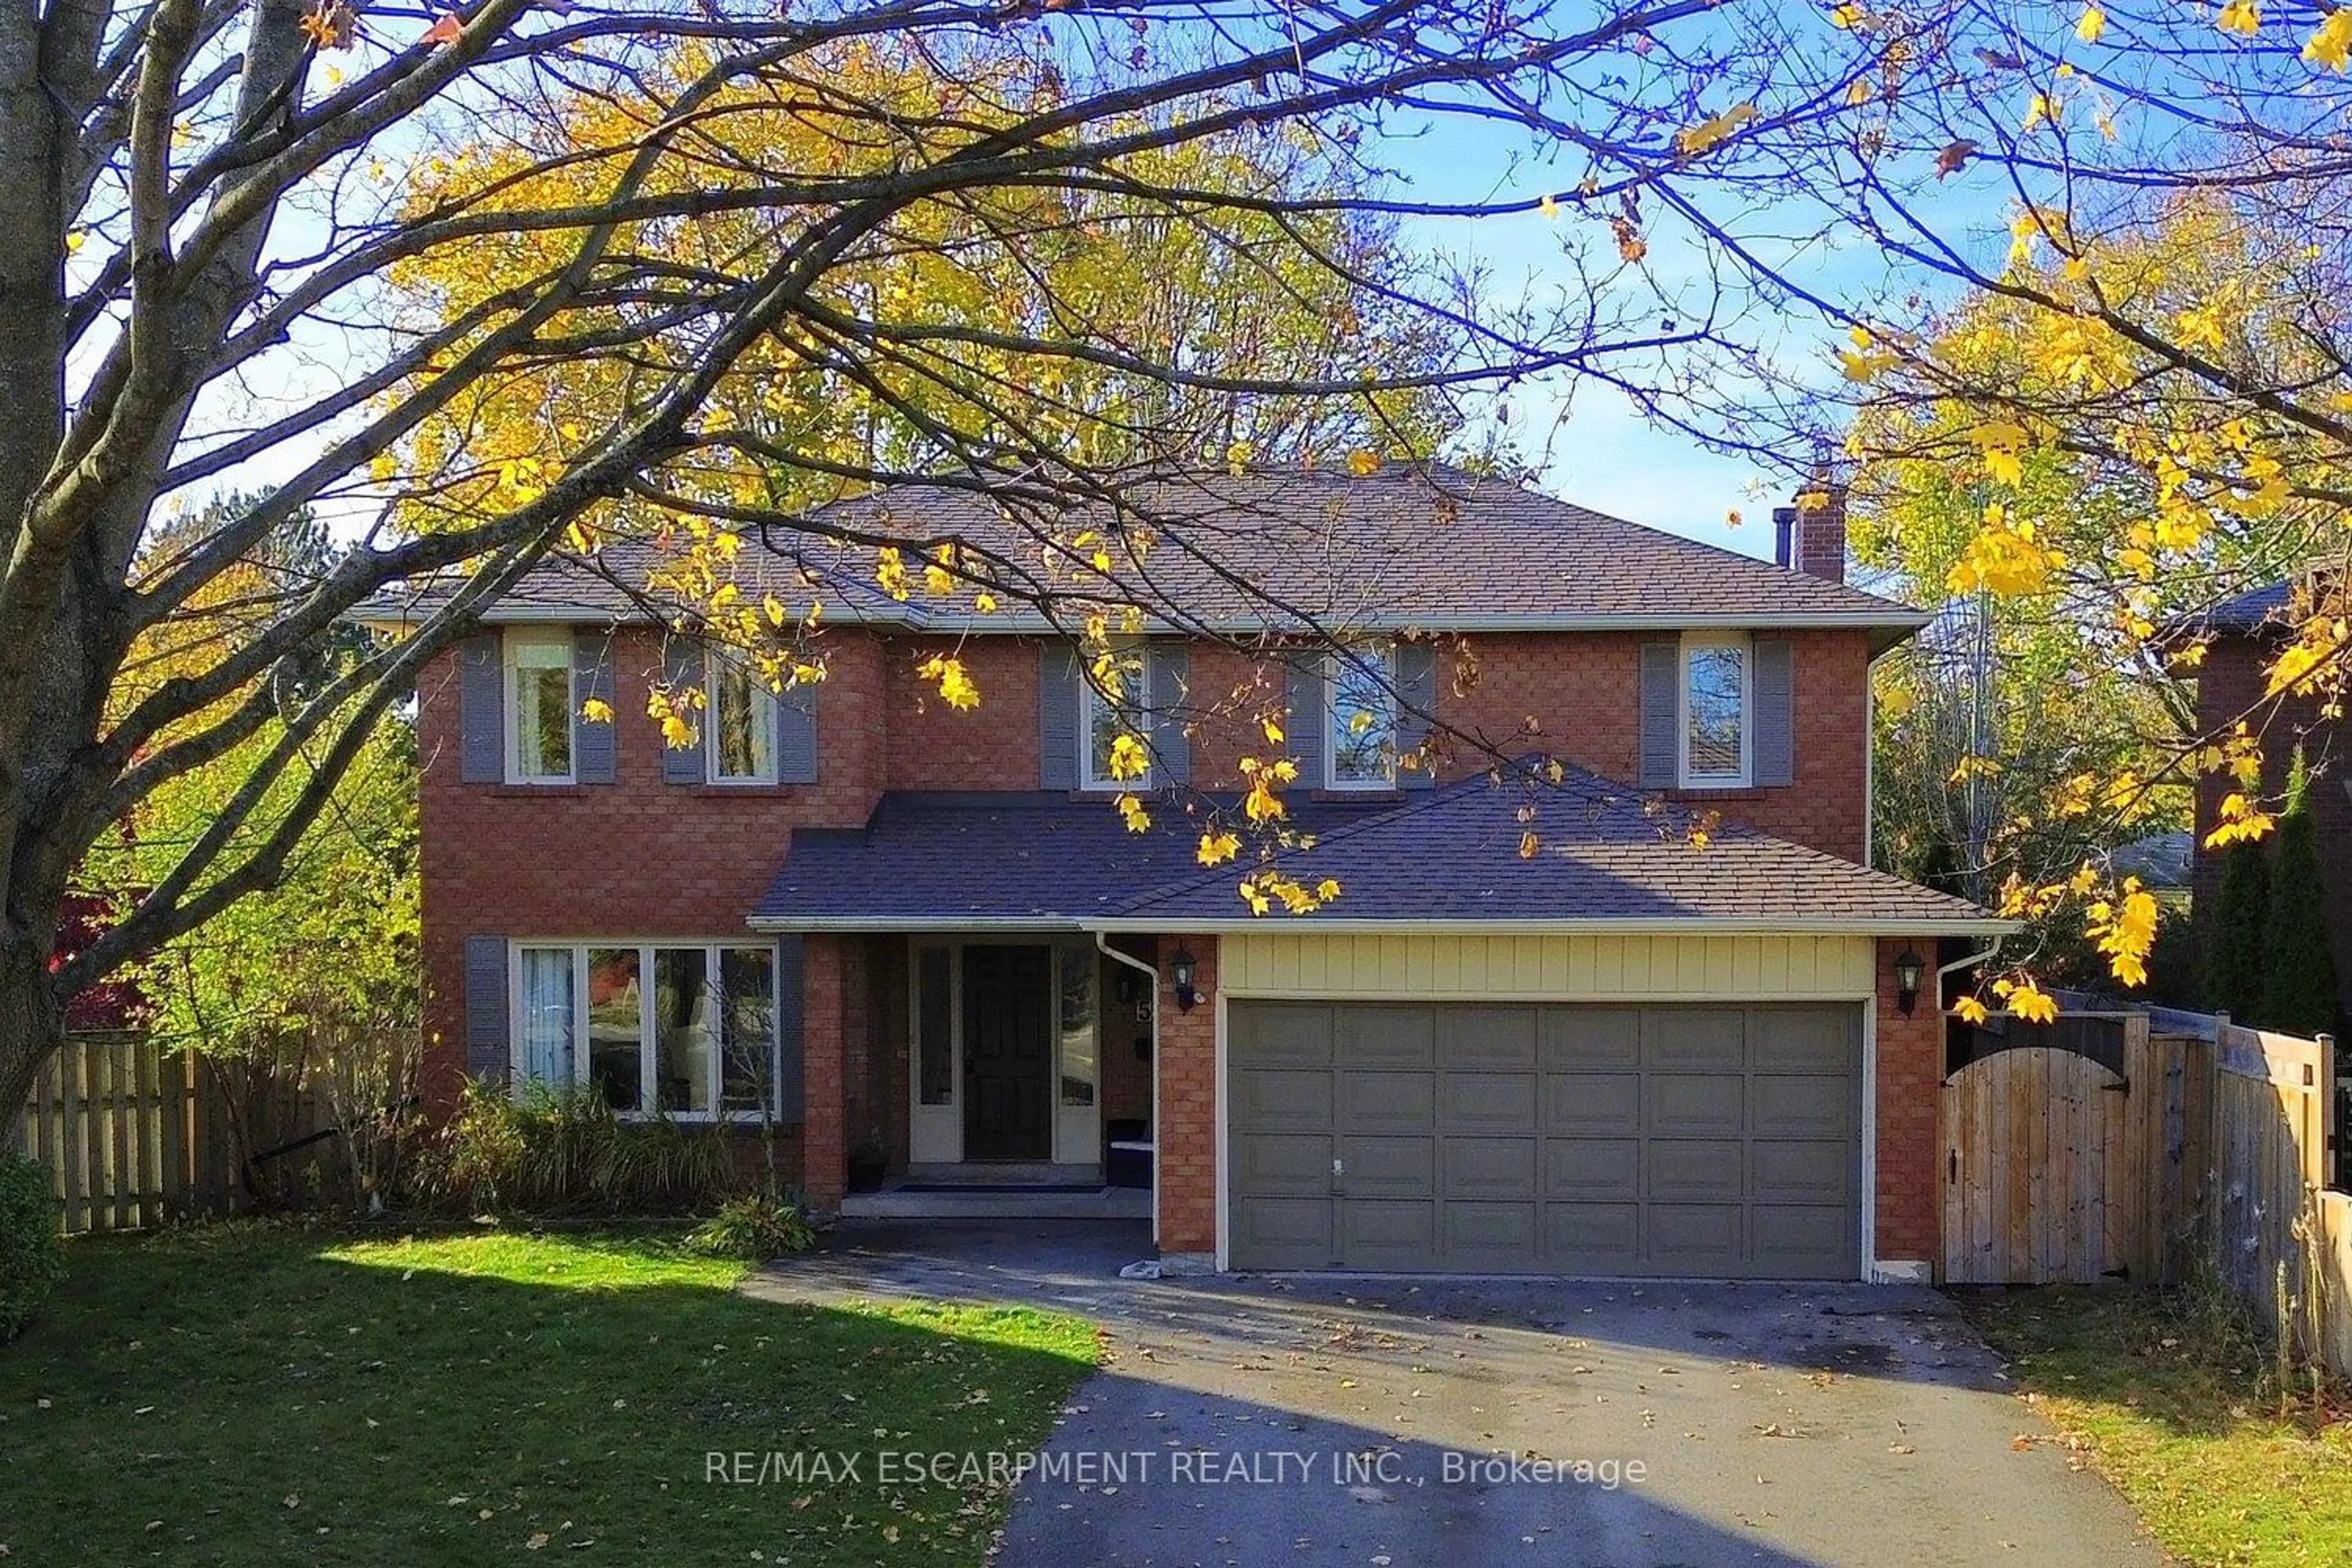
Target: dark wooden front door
1008,1045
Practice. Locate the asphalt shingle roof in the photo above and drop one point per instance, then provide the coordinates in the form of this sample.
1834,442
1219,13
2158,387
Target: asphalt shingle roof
2252,610
1604,853
988,856
1409,545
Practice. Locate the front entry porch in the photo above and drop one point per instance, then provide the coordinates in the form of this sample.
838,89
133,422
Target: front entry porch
986,1074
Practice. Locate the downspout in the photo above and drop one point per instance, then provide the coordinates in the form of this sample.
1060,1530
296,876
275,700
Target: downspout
1151,974
1971,960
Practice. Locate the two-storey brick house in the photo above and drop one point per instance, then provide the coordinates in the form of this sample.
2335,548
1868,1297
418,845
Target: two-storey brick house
1618,1047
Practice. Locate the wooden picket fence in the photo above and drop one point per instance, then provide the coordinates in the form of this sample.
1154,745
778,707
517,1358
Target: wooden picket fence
136,1135
2209,1150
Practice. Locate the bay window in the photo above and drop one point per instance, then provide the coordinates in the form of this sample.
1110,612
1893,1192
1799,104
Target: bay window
685,1030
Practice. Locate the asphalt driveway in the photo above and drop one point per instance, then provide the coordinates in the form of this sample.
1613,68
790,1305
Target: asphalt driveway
1384,1420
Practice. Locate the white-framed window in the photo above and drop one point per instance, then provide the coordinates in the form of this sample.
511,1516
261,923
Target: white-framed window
1103,718
1718,721
680,1029
741,724
539,704
1360,750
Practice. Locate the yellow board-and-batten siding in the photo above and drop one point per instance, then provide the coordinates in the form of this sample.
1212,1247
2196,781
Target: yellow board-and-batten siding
1598,967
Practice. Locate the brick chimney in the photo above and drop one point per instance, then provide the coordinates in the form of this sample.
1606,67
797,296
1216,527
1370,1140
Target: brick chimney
1810,535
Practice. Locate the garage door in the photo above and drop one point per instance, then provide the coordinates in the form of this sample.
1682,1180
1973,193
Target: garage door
1722,1142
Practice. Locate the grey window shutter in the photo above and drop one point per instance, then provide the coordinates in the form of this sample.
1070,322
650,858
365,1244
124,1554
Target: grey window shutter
481,711
1775,731
1059,679
682,666
594,745
1304,726
796,734
1662,674
486,1008
792,1012
1167,685
1416,678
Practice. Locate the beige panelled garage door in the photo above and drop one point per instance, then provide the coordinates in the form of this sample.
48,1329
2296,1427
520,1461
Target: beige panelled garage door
1706,1140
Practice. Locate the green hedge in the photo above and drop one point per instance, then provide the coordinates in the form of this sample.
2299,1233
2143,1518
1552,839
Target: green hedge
32,1249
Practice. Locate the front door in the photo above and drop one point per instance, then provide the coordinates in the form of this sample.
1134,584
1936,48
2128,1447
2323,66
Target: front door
1008,1052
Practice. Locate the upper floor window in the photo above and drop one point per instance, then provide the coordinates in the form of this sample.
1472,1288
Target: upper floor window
539,703
1362,750
742,724
1111,724
1718,731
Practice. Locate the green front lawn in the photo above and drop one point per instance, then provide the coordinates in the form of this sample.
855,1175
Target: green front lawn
252,1396
2178,1411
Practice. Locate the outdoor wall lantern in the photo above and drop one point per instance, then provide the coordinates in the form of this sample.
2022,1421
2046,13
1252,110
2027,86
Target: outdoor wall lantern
1181,970
1910,969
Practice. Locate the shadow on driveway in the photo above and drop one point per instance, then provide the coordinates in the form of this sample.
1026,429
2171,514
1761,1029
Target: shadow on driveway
1333,1419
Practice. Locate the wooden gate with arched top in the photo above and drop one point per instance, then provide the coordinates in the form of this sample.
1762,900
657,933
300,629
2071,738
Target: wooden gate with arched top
2037,1165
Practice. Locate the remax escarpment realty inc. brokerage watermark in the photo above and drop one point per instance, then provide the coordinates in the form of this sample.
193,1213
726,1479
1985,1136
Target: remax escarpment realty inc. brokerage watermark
1160,1467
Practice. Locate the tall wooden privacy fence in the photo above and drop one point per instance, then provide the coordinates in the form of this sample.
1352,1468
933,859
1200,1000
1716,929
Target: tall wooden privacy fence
2208,1150
135,1135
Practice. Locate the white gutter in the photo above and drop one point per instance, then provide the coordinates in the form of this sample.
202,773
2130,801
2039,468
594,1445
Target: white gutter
1151,988
1970,961
1019,623
916,923
1709,925
1145,925
1894,615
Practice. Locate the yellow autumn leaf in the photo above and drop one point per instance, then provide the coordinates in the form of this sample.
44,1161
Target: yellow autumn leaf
2241,16
2093,23
1697,139
2032,1004
955,683
2331,45
1970,1010
1218,846
596,710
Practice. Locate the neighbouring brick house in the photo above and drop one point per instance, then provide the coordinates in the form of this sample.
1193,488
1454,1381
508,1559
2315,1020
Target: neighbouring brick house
2244,634
1623,1052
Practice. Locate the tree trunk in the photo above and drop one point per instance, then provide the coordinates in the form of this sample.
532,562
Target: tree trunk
32,1027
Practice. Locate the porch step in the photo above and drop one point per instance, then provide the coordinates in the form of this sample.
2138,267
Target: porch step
931,1203
1003,1174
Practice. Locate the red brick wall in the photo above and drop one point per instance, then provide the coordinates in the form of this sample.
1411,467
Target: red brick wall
637,857
1910,1067
2229,686
1578,697
824,1141
1186,1163
935,747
